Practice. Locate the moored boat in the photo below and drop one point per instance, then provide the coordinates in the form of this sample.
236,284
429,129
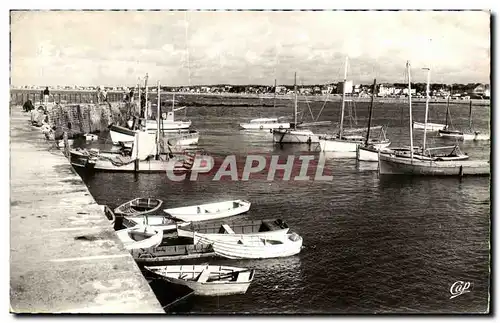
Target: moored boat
221,230
350,143
426,162
138,207
255,247
403,165
430,126
370,153
209,211
207,280
294,136
160,222
140,237
265,124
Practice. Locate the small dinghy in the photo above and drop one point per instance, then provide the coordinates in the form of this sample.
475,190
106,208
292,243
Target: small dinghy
139,206
209,211
140,237
160,222
207,280
224,230
254,247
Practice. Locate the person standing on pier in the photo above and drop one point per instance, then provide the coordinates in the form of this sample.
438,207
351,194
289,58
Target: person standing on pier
46,94
131,95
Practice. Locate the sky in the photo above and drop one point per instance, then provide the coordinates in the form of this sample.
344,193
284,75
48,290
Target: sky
116,48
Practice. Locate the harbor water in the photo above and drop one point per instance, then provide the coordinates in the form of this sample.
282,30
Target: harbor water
371,244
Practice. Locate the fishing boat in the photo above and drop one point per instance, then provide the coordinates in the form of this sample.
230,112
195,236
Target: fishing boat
147,154
140,237
447,132
255,247
349,143
264,228
209,211
138,207
292,135
427,162
207,280
265,124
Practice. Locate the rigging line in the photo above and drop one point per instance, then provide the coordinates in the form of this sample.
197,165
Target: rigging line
307,102
324,104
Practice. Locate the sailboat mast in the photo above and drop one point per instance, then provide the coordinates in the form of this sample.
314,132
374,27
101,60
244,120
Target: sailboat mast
158,111
343,100
447,112
411,119
427,91
274,103
146,95
470,114
139,100
295,104
371,111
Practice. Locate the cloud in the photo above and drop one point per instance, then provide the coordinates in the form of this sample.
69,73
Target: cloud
245,46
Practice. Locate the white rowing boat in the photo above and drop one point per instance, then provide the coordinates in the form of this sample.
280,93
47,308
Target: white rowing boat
140,237
255,247
222,230
207,280
209,211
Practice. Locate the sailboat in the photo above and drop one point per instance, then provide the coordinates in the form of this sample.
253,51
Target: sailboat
146,155
368,151
294,135
267,123
429,126
426,162
172,129
347,143
461,135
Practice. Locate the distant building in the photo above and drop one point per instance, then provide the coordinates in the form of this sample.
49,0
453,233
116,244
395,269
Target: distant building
482,90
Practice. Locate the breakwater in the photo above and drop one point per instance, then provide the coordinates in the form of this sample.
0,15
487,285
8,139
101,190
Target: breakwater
19,96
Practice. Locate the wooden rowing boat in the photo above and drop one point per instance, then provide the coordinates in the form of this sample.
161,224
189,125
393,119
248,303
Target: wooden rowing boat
140,237
209,211
255,247
207,280
139,206
222,230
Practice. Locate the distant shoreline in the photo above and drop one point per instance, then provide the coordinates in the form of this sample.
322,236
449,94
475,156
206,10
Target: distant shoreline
302,98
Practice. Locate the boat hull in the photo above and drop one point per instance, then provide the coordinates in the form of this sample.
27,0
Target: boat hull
243,207
265,228
366,154
202,289
177,138
151,125
430,126
153,241
120,134
476,136
265,126
213,288
347,145
370,154
232,250
294,137
221,237
392,165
